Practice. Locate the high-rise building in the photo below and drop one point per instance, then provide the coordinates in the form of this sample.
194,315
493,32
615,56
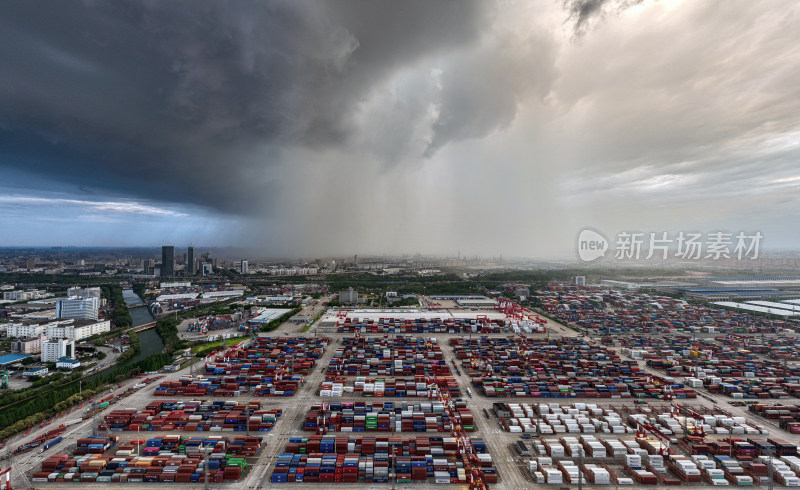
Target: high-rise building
348,297
77,308
190,268
245,269
167,261
54,349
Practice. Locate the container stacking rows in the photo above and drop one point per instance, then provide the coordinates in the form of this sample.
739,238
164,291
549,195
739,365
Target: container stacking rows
380,460
419,386
270,356
555,419
231,386
562,368
742,379
388,417
398,356
787,416
719,364
721,348
195,416
527,356
421,325
544,471
172,460
633,312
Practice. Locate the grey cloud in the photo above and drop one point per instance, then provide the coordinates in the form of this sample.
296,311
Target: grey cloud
482,91
580,11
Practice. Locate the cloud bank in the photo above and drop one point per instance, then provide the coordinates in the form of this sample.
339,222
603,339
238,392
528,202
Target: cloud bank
312,128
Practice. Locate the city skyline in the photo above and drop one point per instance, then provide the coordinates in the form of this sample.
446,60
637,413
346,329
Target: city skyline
493,128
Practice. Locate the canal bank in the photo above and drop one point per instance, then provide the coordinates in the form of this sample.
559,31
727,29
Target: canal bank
149,340
48,400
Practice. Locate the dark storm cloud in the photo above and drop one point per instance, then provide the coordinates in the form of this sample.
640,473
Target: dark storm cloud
195,101
419,121
582,12
482,91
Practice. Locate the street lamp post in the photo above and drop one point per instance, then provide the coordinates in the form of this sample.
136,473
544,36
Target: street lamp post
206,451
771,483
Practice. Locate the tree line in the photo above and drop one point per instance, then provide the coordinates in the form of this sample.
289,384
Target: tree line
122,317
50,401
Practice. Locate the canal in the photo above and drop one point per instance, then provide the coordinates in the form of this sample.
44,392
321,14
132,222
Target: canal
136,307
150,340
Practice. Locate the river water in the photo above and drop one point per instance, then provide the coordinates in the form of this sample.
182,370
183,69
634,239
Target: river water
150,341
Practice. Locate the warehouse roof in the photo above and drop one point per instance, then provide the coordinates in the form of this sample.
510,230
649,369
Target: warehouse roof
760,309
12,358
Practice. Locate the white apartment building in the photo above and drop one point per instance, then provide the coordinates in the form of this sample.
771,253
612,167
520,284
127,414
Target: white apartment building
77,308
21,331
176,284
78,330
25,295
54,349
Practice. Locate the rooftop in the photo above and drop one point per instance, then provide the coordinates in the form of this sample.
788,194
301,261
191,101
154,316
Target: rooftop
12,358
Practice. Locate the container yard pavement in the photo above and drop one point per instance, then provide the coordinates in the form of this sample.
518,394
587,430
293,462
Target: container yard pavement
512,470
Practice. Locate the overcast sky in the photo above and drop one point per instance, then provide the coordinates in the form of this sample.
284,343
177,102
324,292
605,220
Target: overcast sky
313,128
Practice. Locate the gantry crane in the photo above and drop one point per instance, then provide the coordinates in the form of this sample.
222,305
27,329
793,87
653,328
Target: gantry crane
697,430
643,428
5,479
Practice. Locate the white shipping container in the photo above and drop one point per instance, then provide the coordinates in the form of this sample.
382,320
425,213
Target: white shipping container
633,461
554,476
